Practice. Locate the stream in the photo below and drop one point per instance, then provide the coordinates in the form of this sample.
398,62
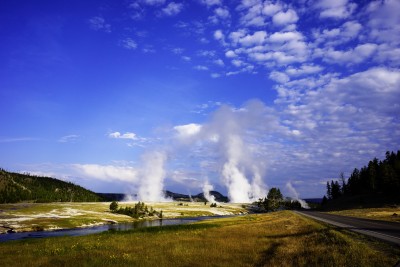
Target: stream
103,228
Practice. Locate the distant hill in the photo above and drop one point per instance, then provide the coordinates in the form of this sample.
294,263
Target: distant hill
175,196
197,198
16,187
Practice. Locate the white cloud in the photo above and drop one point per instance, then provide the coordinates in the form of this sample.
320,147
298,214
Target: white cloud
186,58
68,138
129,43
284,18
219,62
211,2
219,36
256,38
331,37
177,50
215,75
271,9
230,54
99,24
237,62
106,172
279,77
304,69
152,2
352,56
172,9
200,67
127,135
281,37
222,12
384,21
187,130
338,9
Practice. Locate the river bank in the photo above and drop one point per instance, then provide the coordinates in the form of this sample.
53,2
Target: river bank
31,217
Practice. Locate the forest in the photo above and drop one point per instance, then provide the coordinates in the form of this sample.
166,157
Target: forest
17,187
378,178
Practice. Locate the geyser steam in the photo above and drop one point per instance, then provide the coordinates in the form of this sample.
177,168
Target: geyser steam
152,177
293,193
206,191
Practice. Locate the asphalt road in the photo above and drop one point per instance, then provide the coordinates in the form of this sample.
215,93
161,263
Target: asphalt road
387,231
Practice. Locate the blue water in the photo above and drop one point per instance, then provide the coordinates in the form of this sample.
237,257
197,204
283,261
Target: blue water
101,228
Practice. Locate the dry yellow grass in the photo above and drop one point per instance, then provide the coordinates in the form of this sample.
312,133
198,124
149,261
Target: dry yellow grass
275,239
385,214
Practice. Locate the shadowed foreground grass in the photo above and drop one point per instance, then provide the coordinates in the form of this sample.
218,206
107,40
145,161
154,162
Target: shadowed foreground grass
275,239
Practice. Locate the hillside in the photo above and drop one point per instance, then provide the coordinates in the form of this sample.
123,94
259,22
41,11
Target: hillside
16,187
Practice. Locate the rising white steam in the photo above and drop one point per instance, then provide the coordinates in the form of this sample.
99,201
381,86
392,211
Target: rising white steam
206,191
293,193
152,175
240,172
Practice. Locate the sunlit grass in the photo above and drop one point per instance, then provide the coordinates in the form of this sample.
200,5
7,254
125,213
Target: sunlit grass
275,239
385,214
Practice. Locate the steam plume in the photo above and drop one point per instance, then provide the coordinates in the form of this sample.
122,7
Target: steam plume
206,191
152,177
293,193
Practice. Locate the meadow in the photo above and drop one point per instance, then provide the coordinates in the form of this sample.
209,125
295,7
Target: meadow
391,214
275,239
22,217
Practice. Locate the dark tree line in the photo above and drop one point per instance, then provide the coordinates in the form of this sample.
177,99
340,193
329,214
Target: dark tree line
378,177
17,187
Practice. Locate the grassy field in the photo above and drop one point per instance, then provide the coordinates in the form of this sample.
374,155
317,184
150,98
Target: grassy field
49,216
385,214
274,239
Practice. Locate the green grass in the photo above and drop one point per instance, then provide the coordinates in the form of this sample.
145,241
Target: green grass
384,214
274,239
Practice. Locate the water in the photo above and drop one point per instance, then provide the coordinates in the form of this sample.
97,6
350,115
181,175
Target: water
101,228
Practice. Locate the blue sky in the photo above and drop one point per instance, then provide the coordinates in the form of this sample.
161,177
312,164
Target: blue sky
290,91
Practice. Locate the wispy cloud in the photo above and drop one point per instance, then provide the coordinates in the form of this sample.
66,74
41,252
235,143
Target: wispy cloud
99,24
69,138
17,139
129,44
127,135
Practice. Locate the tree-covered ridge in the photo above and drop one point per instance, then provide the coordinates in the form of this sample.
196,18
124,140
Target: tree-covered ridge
378,177
17,187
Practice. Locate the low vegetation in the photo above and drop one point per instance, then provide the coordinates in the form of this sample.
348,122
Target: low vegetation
139,210
16,187
273,239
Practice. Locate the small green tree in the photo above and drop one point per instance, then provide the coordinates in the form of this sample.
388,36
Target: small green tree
114,206
275,199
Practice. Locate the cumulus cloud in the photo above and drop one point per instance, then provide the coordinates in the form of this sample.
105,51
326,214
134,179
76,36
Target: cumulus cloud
279,77
284,18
